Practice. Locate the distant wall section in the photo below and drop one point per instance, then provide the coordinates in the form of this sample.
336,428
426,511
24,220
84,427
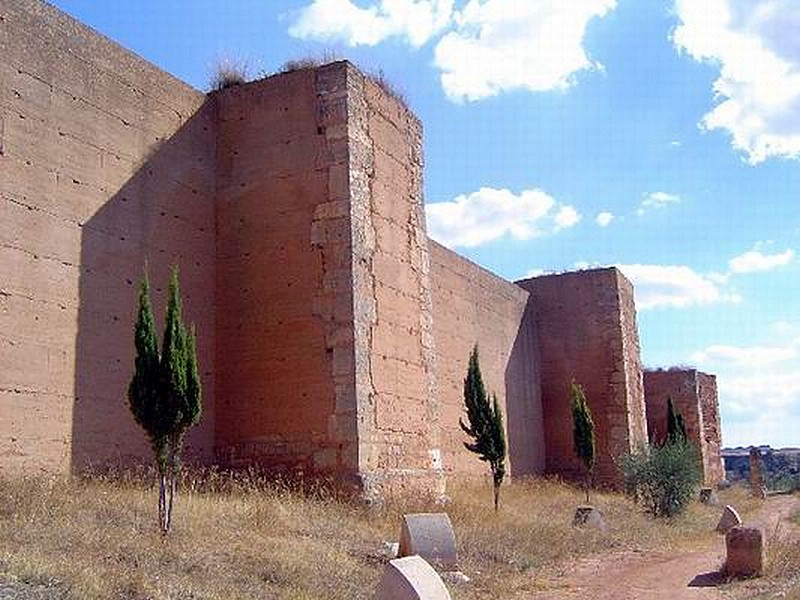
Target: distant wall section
694,395
586,331
106,163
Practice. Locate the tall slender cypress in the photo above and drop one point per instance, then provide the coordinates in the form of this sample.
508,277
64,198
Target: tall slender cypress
485,424
165,394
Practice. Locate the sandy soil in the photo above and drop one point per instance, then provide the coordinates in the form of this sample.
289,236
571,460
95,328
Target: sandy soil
659,575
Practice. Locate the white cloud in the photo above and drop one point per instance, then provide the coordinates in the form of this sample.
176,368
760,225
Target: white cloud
490,46
490,214
673,286
535,273
503,45
754,43
755,260
417,21
745,357
759,389
604,219
656,200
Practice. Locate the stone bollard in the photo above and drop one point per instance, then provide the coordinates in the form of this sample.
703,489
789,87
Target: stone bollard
589,516
430,535
729,519
756,479
411,578
746,552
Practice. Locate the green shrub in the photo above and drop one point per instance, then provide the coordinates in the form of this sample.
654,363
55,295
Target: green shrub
664,479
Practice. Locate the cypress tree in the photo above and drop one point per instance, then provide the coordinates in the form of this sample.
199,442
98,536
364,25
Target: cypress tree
165,394
583,433
485,424
681,427
676,429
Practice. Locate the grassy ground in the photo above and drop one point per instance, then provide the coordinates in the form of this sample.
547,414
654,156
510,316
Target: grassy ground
249,539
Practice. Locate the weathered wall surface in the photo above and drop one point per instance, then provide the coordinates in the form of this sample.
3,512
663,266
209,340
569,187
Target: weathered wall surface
713,465
105,162
284,355
694,395
586,332
473,306
398,409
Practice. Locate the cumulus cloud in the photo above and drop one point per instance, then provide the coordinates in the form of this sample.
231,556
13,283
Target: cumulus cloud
488,46
490,214
755,260
656,200
416,21
754,44
604,219
759,389
502,45
674,286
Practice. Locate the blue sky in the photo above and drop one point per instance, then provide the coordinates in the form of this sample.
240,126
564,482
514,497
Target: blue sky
661,136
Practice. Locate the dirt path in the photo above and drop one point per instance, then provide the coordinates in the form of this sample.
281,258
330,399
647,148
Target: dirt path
656,575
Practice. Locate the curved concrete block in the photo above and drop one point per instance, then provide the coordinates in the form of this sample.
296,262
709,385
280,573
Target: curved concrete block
411,578
729,519
430,535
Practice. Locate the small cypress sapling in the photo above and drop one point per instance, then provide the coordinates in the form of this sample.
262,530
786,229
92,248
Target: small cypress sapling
485,424
583,433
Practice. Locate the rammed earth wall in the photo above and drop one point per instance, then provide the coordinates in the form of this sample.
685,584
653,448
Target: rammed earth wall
333,335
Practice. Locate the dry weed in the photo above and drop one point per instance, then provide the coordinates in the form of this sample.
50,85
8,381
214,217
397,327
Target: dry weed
226,73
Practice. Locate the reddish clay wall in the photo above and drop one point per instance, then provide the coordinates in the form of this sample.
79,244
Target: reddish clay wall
283,277
106,163
586,331
473,306
694,395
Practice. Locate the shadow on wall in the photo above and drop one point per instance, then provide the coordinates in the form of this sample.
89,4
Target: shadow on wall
162,215
526,444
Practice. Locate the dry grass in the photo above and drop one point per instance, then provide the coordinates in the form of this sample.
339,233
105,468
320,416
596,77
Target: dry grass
310,61
250,539
226,73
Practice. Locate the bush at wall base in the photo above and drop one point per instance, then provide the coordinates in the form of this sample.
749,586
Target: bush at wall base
664,479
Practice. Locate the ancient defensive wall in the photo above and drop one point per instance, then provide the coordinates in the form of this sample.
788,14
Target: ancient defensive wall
333,334
694,395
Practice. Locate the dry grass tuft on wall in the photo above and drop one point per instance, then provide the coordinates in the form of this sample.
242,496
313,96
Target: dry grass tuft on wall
246,537
309,62
227,73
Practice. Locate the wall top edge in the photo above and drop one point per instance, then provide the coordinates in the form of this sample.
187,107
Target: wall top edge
72,27
521,292
666,371
593,272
